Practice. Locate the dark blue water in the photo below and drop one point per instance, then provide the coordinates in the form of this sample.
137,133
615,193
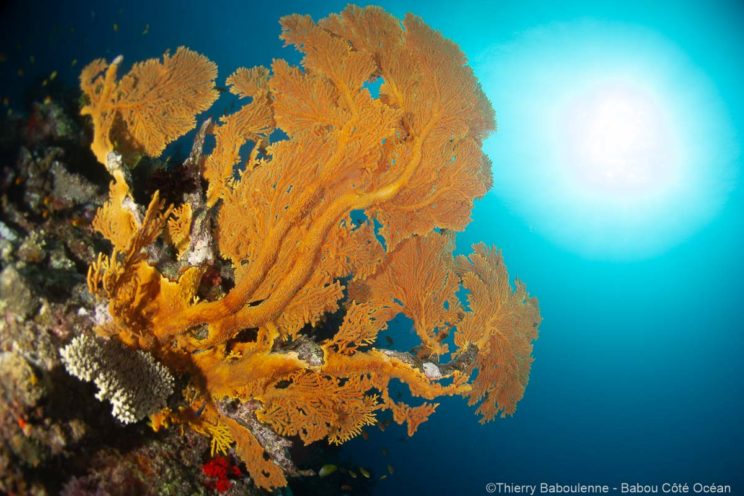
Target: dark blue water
638,372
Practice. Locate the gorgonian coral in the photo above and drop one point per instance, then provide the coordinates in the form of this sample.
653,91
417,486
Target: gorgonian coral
276,222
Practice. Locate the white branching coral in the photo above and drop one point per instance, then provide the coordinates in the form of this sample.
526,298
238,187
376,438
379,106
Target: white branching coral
134,383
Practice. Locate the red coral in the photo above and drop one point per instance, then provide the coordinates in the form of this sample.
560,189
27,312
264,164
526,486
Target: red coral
219,469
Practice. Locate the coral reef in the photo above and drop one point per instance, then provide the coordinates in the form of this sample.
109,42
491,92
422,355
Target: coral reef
274,237
246,294
43,251
54,434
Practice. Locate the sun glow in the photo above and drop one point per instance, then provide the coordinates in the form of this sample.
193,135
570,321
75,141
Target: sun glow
610,142
618,143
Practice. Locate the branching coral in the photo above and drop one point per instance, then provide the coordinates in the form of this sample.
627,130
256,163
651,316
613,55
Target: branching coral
134,383
279,216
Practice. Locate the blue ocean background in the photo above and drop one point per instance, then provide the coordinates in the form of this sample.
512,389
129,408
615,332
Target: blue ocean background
638,372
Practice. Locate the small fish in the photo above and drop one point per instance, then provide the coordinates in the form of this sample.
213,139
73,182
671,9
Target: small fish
365,435
383,477
390,469
45,82
73,63
47,100
346,487
200,410
6,101
20,72
53,76
352,474
3,57
384,451
32,59
327,470
365,472
146,30
389,341
116,27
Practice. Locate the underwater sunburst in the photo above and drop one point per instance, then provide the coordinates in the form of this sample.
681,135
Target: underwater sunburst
612,143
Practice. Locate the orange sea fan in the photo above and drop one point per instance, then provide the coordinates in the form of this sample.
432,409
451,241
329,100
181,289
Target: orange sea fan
316,406
265,473
413,415
153,104
418,279
360,327
375,154
501,324
352,213
253,122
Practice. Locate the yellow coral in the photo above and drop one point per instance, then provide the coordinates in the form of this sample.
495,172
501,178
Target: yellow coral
410,159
